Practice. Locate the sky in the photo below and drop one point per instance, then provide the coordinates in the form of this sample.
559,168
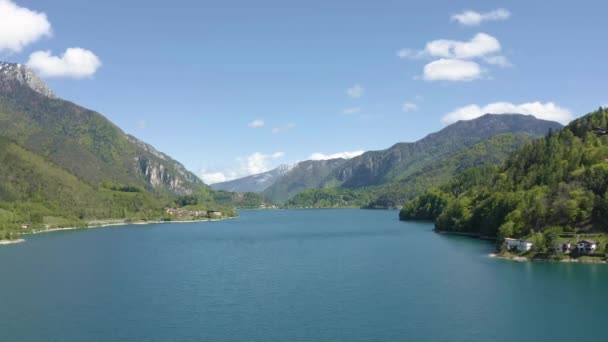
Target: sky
232,88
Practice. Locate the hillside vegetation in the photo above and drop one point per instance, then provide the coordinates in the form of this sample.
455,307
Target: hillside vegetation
491,151
548,187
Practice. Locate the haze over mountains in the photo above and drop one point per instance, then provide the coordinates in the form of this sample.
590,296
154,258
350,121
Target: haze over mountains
402,160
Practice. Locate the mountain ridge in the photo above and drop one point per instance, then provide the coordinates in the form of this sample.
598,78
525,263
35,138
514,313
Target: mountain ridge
376,168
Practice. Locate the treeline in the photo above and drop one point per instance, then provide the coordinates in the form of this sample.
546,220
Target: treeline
552,185
332,198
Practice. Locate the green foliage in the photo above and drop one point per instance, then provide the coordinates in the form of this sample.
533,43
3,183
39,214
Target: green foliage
331,198
559,181
491,151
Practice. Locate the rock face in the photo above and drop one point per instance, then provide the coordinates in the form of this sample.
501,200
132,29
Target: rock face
82,141
26,76
403,159
254,183
162,171
374,168
308,174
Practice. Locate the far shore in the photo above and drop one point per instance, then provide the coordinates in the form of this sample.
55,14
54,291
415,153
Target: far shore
102,224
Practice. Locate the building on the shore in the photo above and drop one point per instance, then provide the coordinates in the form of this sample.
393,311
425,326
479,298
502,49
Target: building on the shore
586,247
518,245
563,247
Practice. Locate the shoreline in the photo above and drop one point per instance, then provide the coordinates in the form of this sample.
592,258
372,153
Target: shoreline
471,235
526,259
11,242
517,258
105,225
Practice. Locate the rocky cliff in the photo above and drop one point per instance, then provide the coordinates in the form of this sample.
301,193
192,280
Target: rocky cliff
82,141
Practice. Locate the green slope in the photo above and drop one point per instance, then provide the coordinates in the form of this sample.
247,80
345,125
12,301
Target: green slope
491,151
35,191
85,142
375,169
551,186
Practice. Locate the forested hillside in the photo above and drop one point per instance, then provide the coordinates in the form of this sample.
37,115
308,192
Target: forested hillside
550,186
491,151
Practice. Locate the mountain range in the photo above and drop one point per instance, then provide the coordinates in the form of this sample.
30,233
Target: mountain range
380,172
254,183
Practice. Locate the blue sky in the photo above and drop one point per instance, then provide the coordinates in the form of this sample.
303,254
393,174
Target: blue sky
231,88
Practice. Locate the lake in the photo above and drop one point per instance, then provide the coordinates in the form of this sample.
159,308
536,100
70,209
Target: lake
290,276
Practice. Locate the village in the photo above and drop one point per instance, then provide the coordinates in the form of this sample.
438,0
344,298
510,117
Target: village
586,248
181,214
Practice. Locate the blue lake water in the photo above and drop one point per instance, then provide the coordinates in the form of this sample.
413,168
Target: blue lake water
290,276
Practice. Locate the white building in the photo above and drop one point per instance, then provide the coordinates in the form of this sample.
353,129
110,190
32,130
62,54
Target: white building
586,247
518,245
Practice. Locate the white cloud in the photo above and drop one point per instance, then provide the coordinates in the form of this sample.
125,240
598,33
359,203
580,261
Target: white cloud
451,70
257,124
20,26
355,91
213,177
253,164
285,128
482,44
409,107
456,57
546,111
73,63
349,111
473,18
345,155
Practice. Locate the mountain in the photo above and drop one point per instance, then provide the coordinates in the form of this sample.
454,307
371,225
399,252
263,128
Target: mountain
403,159
550,187
63,165
371,170
305,175
254,183
34,190
494,150
83,141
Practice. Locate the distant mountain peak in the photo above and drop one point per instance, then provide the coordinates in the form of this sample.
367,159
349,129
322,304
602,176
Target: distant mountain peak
26,76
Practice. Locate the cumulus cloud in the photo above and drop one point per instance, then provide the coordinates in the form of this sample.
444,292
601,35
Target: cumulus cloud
257,124
451,70
546,111
345,155
283,129
473,18
253,164
20,26
481,44
458,59
355,91
73,63
213,177
409,107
